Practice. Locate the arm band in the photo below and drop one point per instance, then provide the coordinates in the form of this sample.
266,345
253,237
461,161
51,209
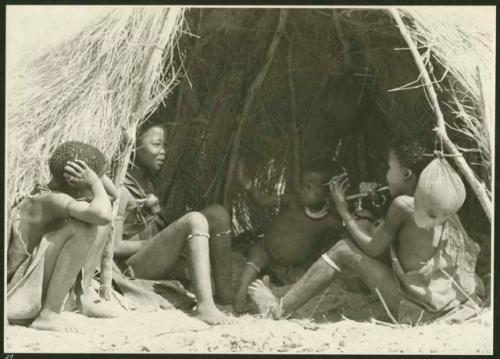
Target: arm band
192,235
222,233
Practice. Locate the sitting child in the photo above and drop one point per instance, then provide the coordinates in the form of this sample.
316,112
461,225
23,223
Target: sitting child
192,248
54,233
298,234
431,270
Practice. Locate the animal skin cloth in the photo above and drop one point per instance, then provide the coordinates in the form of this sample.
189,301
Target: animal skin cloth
445,282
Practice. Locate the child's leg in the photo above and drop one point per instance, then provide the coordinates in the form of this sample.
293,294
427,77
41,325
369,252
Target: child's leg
157,257
375,273
257,259
219,224
64,258
88,300
343,255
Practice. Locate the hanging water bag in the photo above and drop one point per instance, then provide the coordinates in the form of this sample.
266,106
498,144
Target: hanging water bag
440,193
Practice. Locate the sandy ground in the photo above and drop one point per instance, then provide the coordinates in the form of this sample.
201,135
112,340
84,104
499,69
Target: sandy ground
173,331
345,318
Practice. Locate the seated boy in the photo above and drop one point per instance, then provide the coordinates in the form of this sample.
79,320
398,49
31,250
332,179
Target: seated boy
146,248
297,234
431,270
53,235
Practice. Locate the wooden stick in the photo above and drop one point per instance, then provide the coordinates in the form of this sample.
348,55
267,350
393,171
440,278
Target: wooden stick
179,130
252,93
386,307
137,114
340,33
294,127
477,187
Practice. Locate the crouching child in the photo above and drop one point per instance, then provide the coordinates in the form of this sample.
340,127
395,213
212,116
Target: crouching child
54,231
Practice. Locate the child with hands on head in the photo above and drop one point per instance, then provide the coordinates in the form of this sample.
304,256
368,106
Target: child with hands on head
56,232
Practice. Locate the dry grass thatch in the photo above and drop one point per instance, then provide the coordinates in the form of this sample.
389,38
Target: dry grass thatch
355,85
344,76
86,89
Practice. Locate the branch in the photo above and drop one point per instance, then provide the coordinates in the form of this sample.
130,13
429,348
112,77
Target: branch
478,188
141,104
252,93
294,129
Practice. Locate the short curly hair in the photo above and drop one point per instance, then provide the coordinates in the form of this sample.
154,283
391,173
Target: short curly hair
411,152
71,150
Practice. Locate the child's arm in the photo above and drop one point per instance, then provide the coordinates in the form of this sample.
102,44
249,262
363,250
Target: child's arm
257,259
97,211
375,244
255,195
124,248
110,187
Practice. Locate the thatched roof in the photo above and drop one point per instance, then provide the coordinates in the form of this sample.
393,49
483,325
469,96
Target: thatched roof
86,89
339,65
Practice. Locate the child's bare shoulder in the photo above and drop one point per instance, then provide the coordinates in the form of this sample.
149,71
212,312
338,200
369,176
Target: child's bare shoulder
404,203
401,207
54,201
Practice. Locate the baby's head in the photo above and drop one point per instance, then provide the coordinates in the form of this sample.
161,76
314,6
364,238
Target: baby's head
313,189
150,147
73,150
406,160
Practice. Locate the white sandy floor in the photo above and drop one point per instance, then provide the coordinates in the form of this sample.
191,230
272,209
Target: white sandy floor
173,331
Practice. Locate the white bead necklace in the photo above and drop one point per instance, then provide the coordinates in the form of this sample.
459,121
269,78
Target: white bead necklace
316,215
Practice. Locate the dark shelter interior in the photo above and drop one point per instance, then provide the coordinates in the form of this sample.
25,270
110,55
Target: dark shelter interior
327,93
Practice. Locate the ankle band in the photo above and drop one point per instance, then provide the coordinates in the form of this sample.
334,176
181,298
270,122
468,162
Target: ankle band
204,235
329,261
222,233
253,265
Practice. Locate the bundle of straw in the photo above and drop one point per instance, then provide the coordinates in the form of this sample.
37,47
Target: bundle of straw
462,46
86,89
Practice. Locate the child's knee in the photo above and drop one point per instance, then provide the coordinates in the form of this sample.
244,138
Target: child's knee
217,216
195,222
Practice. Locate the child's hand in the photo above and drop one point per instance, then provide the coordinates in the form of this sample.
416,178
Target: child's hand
149,201
78,174
243,179
338,187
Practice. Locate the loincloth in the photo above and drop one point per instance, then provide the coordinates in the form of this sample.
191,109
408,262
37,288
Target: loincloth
146,293
444,282
24,275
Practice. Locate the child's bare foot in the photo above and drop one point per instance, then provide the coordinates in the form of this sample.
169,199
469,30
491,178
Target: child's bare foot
213,316
264,299
94,307
49,320
240,302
